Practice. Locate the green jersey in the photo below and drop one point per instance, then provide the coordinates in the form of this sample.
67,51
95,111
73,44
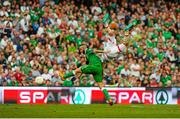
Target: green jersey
92,58
26,69
93,67
167,35
119,69
91,33
79,41
165,79
67,83
10,83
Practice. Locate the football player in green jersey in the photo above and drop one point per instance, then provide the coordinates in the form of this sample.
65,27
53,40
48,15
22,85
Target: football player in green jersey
93,67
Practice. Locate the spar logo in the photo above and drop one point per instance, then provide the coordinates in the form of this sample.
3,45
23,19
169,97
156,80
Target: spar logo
162,97
79,97
42,97
126,96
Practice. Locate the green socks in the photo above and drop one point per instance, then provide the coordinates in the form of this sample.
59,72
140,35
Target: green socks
69,74
106,94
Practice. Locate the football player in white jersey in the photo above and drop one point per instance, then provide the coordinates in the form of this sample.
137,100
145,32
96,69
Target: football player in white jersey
114,50
110,45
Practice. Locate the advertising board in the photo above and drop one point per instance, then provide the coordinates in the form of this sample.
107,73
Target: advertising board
165,96
125,96
88,95
37,95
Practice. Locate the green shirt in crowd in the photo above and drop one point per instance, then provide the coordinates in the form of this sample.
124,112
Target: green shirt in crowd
119,69
67,83
167,35
165,79
26,69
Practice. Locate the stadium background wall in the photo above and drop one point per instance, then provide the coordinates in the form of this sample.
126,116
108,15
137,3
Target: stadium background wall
87,95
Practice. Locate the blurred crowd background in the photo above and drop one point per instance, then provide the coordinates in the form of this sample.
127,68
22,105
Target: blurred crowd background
40,39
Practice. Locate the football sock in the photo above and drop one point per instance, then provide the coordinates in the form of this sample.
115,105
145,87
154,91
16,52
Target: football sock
106,94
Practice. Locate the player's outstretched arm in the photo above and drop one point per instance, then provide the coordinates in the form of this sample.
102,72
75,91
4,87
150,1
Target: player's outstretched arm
101,51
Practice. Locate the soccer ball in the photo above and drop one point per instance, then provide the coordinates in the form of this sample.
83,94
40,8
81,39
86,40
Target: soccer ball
39,80
113,25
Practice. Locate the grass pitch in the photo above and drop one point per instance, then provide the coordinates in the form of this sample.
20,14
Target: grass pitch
90,111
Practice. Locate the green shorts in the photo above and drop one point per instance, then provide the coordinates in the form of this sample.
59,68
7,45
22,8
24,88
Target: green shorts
96,71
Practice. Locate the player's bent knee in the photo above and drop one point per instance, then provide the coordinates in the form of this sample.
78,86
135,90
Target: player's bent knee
78,70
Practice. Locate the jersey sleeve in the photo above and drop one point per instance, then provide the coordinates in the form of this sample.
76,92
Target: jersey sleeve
89,51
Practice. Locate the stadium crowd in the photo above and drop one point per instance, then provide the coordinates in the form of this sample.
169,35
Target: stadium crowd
40,39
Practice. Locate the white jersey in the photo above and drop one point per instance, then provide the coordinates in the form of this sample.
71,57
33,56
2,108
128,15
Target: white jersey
114,49
112,39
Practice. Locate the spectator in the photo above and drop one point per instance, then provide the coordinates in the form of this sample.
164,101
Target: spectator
135,68
125,71
42,39
18,75
156,76
56,79
46,75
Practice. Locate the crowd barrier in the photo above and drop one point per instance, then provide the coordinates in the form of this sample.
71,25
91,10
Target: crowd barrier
88,95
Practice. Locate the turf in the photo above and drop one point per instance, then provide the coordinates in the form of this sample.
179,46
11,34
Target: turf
94,110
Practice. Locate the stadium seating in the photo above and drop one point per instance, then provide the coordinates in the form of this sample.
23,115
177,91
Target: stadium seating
39,40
